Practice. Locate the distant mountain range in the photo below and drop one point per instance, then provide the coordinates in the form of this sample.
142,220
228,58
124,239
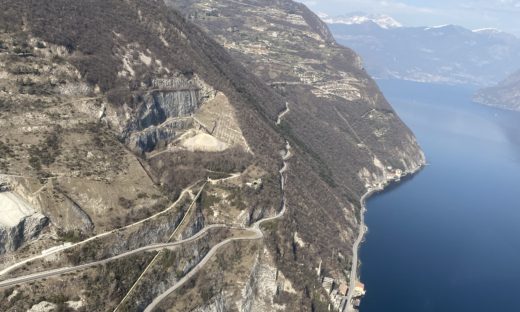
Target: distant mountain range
383,21
442,54
505,94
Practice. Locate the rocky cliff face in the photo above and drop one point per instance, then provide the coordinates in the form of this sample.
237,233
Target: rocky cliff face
20,222
505,94
25,230
167,111
126,126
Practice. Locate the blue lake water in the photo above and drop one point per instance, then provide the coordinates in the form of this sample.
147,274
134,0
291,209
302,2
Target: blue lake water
448,239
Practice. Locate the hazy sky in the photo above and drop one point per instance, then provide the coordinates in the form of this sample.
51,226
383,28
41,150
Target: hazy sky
501,14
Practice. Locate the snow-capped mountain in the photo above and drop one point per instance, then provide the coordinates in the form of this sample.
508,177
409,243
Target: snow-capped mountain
487,31
383,21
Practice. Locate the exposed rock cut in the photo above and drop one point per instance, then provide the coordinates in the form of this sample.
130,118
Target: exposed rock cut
19,222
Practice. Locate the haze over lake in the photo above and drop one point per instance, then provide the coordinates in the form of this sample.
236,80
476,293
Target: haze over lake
448,239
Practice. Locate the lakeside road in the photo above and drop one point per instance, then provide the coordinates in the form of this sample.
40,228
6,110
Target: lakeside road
349,307
355,252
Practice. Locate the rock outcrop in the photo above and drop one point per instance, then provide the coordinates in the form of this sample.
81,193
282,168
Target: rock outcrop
19,222
217,304
43,306
167,110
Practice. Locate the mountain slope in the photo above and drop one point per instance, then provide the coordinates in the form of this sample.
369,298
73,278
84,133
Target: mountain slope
337,120
505,94
444,54
110,112
124,126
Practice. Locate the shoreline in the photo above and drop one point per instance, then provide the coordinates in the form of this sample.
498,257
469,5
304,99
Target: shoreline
363,229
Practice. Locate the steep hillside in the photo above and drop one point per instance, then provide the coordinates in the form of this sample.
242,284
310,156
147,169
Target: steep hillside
446,54
142,165
505,94
337,120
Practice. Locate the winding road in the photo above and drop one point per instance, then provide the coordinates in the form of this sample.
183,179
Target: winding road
143,273
154,247
183,193
253,229
282,114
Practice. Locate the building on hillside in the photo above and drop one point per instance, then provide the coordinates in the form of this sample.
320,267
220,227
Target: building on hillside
343,289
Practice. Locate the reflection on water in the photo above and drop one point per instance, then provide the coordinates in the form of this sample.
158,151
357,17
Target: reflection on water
449,239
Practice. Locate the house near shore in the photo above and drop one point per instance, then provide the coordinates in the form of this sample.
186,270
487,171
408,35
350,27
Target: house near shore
359,290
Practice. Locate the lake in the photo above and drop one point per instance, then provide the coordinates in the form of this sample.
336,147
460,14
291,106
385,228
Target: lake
448,239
